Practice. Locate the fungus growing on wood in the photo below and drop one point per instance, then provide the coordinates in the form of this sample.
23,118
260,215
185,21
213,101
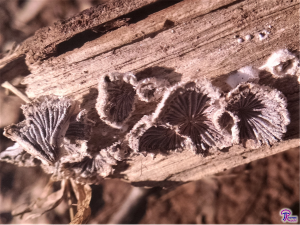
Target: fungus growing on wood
160,137
56,132
259,114
92,169
74,150
151,89
282,63
76,137
116,98
148,137
46,122
80,128
190,108
86,170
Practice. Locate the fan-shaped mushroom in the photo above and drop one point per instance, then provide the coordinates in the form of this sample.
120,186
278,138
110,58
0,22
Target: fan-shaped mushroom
116,98
92,169
148,137
259,113
185,116
41,133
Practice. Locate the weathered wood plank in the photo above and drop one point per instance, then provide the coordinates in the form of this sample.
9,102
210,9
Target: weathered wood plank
45,41
185,166
148,27
203,47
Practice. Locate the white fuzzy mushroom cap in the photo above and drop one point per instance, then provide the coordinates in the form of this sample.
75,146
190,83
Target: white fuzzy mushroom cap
282,63
245,74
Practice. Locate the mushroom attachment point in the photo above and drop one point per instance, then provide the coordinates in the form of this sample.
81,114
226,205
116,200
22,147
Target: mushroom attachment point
151,89
259,114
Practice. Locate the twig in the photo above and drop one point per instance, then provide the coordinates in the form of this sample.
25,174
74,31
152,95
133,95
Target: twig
70,204
129,207
14,90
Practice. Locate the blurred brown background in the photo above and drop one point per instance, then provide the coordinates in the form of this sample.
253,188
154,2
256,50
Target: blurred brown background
252,193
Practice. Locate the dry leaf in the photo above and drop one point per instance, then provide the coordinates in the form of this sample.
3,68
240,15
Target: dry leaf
83,194
45,203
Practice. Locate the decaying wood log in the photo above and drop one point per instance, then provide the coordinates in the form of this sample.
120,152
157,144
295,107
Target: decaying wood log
176,40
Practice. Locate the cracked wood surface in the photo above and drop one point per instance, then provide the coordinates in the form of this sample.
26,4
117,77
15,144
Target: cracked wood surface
184,41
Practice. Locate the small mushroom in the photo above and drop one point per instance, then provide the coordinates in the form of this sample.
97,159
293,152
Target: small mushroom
191,109
73,152
259,114
245,74
116,98
160,137
46,122
80,128
117,151
18,156
282,63
146,137
92,169
151,89
85,171
77,136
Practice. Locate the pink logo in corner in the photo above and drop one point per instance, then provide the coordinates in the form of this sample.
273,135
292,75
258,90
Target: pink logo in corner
287,216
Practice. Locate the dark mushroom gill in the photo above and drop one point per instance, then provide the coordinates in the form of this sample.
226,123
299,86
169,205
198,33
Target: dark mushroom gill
161,138
190,111
121,99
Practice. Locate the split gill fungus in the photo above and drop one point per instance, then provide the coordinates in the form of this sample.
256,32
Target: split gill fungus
116,98
160,138
259,114
184,117
188,115
54,135
46,122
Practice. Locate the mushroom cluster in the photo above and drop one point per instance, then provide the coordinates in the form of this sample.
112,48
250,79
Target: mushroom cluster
184,117
191,115
54,135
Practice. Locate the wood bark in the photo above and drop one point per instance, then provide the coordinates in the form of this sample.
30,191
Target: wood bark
179,42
